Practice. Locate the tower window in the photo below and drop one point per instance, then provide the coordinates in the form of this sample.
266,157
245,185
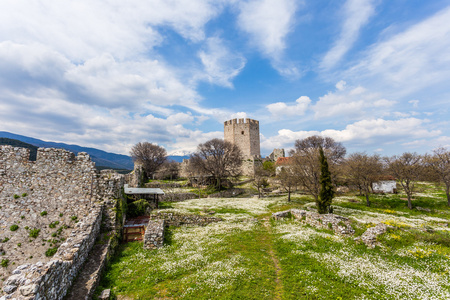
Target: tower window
242,132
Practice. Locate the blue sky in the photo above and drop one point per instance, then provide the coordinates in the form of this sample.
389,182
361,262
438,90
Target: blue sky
372,74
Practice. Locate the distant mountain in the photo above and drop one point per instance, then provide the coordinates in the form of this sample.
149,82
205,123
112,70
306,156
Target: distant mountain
100,157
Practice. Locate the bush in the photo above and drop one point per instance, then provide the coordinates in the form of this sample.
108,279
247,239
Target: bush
51,251
137,208
24,194
34,232
73,218
53,224
44,213
5,263
16,196
14,227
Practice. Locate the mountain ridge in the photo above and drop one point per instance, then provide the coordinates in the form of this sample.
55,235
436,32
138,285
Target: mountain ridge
100,157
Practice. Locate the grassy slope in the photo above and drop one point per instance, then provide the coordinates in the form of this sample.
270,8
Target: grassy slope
237,258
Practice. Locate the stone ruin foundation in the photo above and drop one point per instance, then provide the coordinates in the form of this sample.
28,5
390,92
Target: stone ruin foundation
51,211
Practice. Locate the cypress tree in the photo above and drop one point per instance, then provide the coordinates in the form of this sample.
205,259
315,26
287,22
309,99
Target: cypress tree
326,187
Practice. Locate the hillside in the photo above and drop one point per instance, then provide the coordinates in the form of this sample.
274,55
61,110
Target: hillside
100,157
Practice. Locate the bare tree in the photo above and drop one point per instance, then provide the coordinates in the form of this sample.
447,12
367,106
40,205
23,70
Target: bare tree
407,169
149,155
362,170
288,180
439,164
219,159
260,178
306,164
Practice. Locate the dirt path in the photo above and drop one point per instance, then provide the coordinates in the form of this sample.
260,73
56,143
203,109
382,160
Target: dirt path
276,262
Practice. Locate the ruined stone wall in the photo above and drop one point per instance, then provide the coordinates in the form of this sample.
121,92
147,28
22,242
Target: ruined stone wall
244,134
154,234
51,280
172,219
58,189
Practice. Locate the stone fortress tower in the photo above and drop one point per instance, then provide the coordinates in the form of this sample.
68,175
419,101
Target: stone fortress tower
245,134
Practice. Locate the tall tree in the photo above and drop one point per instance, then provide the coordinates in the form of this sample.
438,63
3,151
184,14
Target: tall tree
407,169
439,164
362,170
219,159
149,155
326,193
306,165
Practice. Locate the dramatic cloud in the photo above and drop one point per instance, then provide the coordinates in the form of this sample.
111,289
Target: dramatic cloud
356,14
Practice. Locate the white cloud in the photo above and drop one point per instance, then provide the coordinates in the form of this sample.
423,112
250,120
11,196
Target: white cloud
82,29
356,14
409,61
221,65
351,102
415,103
268,22
365,132
281,109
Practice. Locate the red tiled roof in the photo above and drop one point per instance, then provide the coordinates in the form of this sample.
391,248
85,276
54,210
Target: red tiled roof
283,161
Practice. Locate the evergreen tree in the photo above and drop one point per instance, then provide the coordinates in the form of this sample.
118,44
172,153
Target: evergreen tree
326,187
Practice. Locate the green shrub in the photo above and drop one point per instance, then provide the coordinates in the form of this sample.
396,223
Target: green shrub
44,213
53,224
34,232
19,244
5,240
61,214
73,218
24,194
51,251
16,196
137,208
14,227
22,217
5,263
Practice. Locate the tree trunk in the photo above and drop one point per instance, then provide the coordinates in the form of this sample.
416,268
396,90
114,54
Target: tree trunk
367,199
447,192
409,201
289,194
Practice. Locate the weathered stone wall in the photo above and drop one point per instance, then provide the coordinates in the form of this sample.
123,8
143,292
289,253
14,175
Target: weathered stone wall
276,153
52,280
154,234
172,219
337,223
244,134
58,189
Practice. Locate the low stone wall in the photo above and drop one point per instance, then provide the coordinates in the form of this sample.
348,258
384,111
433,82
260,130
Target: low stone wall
338,223
154,234
178,197
369,237
227,194
172,219
53,279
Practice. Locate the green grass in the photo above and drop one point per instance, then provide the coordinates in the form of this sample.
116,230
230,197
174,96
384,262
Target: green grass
237,258
238,267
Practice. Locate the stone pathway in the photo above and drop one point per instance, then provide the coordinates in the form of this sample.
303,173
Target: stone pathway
86,281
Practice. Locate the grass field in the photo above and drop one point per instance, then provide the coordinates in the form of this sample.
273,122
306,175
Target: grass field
251,256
